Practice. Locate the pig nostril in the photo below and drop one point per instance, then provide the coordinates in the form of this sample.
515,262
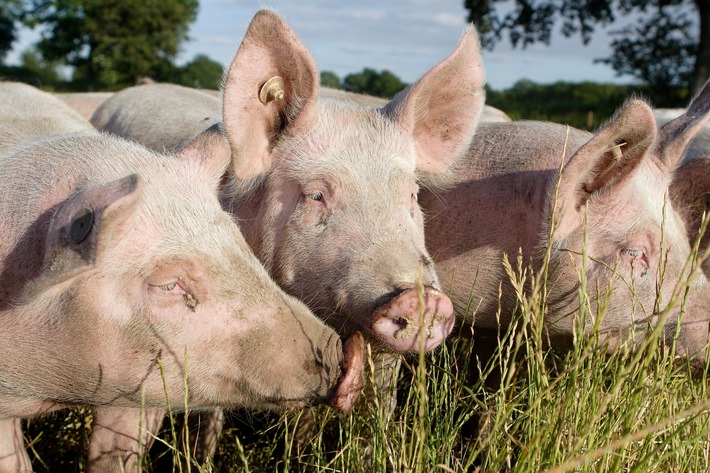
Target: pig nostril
401,321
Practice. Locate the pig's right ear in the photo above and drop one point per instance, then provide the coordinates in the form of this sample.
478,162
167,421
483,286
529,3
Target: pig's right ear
271,88
605,163
441,110
82,228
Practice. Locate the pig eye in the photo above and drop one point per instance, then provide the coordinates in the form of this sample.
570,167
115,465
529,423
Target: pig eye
169,287
318,196
633,253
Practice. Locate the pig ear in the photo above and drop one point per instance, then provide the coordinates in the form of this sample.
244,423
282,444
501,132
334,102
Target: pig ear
271,87
210,151
81,229
606,162
677,134
441,110
690,195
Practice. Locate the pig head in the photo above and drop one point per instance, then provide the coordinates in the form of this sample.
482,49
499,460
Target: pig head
605,218
124,283
325,191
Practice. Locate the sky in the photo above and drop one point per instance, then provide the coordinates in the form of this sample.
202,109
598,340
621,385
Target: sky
406,37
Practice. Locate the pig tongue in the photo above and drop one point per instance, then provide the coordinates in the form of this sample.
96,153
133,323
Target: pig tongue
352,381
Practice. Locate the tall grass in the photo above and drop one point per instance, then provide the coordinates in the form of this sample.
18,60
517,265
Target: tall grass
581,410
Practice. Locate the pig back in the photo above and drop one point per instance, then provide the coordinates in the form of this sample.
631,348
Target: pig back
124,114
28,114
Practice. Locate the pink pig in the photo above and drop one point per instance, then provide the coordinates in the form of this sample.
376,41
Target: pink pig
325,191
612,194
121,278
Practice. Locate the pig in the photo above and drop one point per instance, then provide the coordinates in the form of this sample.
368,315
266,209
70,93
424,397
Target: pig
122,279
690,189
326,190
508,195
85,103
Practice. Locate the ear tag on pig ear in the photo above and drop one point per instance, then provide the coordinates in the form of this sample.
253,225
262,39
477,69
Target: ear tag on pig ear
81,225
273,89
616,151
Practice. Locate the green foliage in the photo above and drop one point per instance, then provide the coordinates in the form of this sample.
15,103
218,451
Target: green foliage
370,82
111,43
10,14
659,49
665,48
200,73
33,70
329,79
583,105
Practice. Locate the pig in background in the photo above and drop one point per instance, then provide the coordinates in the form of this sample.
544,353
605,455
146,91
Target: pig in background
121,277
610,217
690,188
325,191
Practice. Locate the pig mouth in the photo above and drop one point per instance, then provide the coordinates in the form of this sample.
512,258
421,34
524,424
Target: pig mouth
343,396
352,380
413,320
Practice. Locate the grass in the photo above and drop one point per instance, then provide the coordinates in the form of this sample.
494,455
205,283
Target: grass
581,410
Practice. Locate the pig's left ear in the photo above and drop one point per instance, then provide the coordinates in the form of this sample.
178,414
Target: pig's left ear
270,89
210,152
605,163
675,135
441,110
82,228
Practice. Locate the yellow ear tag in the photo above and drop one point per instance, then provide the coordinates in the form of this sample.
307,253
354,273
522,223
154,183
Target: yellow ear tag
273,89
616,151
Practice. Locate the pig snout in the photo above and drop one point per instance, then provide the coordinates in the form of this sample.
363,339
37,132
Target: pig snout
351,382
413,315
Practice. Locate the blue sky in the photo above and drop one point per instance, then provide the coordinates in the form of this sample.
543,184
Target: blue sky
406,37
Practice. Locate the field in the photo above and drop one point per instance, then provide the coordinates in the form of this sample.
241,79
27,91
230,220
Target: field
583,410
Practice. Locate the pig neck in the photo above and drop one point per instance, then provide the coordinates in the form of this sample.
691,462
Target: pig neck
243,199
512,169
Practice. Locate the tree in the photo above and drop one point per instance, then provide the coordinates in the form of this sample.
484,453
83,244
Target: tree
10,14
382,84
201,73
668,46
111,43
329,79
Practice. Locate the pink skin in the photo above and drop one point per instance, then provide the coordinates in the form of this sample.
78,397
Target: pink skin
395,323
116,264
616,179
326,191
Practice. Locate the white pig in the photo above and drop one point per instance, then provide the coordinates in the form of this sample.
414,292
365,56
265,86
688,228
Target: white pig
121,276
612,194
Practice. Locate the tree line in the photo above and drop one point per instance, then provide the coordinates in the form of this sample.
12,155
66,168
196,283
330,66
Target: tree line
109,44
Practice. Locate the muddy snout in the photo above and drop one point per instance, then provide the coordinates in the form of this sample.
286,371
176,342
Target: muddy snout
414,320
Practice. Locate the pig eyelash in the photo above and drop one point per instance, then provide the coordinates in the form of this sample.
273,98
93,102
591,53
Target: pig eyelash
637,257
167,287
633,253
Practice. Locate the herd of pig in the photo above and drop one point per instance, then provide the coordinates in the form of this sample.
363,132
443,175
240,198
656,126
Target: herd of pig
218,249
